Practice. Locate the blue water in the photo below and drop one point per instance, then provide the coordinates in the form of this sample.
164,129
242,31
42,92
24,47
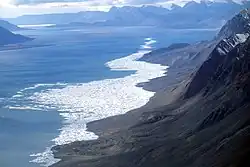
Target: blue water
74,56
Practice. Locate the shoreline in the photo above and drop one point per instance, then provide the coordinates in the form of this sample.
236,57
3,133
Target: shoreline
165,87
73,99
80,103
114,124
20,47
168,89
161,97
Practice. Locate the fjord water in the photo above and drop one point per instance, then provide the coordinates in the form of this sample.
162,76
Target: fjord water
73,56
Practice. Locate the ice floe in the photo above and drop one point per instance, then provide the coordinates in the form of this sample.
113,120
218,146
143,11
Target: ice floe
82,103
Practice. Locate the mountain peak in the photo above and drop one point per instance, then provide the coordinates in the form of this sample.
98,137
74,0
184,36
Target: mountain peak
191,3
237,25
123,8
174,7
245,13
215,70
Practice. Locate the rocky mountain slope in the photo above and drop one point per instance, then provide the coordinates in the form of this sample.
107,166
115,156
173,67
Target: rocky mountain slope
207,125
7,37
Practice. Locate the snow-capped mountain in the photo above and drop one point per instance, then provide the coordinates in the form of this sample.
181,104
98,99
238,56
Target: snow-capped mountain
204,14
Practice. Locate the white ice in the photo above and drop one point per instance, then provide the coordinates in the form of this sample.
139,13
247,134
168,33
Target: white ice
82,103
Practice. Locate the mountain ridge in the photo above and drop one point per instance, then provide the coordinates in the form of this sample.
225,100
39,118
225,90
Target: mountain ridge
206,15
235,32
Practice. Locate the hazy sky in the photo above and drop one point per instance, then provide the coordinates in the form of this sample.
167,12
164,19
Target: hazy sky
13,8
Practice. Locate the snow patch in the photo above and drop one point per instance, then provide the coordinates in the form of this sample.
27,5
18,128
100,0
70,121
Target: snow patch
241,38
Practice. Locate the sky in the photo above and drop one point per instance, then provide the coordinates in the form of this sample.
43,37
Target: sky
14,8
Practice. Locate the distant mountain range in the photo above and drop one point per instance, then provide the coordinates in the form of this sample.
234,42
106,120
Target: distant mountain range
7,37
192,15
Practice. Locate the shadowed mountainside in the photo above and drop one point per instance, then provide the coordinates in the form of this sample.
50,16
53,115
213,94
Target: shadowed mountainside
7,37
9,26
207,124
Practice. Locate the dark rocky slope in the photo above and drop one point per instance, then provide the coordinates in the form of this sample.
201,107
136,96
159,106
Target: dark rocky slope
208,125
